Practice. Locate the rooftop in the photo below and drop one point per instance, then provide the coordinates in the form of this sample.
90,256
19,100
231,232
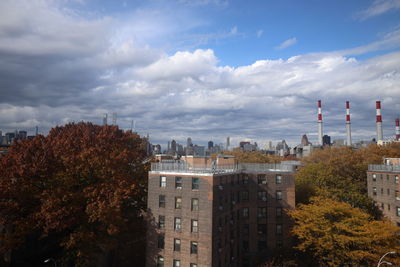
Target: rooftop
184,167
384,168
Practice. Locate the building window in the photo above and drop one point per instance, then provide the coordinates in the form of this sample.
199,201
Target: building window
262,229
193,247
161,222
163,181
245,179
388,206
161,201
193,265
161,242
279,195
279,229
397,194
195,204
262,195
177,223
262,245
387,177
374,191
396,179
398,211
245,212
245,195
178,203
388,191
381,191
279,243
195,226
245,245
262,212
374,177
278,179
262,179
177,263
177,244
160,261
195,183
178,182
246,229
278,212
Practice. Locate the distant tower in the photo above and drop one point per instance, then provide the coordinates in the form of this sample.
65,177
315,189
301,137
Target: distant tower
228,143
114,118
320,123
189,142
173,145
105,119
398,129
348,124
304,140
37,131
379,131
210,144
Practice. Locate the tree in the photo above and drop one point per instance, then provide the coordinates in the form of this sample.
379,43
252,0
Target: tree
335,234
76,195
253,156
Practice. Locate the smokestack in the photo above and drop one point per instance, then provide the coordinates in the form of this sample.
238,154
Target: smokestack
398,129
379,132
348,124
319,123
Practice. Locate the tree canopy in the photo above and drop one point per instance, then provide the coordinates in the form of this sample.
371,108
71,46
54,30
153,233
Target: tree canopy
336,234
75,195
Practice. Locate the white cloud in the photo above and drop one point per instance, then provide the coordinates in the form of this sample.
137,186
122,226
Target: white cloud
378,7
184,94
287,43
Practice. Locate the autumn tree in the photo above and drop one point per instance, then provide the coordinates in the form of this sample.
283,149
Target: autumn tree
253,156
76,195
333,233
340,173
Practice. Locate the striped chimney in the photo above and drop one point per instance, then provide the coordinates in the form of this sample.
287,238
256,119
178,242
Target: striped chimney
379,131
319,123
398,129
348,124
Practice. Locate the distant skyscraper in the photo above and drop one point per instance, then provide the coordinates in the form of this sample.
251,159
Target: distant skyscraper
304,140
105,119
326,140
210,144
173,145
189,142
114,118
228,143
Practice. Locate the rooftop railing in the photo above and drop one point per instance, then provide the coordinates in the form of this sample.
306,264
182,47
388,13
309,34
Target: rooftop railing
386,168
181,167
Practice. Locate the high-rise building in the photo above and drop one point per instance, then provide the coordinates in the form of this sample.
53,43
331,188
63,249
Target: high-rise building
326,140
210,144
217,213
384,187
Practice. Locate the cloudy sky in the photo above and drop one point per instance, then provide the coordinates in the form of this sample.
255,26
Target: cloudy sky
207,69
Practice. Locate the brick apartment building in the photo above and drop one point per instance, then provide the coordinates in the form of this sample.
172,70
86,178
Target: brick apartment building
384,187
217,213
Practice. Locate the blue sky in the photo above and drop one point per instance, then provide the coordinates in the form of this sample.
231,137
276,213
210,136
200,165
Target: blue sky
203,68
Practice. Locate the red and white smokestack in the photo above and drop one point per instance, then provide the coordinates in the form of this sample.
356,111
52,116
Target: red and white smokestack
379,131
320,123
398,129
348,124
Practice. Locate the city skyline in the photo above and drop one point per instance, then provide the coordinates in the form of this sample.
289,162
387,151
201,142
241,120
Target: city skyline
204,69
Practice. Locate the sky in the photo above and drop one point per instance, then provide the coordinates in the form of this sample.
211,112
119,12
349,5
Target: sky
205,69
